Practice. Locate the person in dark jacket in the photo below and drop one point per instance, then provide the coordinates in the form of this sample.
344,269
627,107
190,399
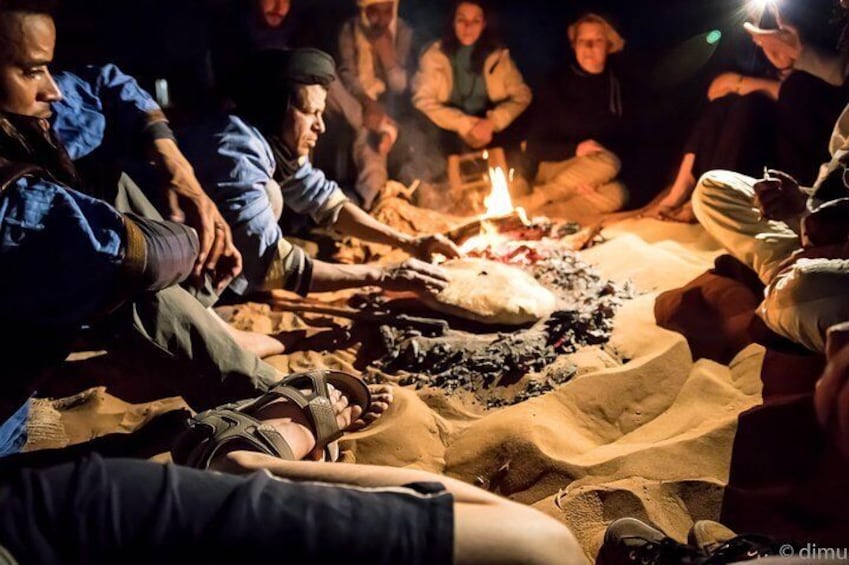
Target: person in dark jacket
578,125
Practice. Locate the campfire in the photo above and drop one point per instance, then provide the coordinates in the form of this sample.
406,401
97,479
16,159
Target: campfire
499,207
508,365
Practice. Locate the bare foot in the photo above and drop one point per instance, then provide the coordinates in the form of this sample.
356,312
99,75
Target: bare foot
382,396
259,344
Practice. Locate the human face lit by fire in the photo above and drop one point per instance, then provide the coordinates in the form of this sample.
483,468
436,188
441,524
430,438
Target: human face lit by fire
469,23
26,85
591,47
274,12
379,17
304,121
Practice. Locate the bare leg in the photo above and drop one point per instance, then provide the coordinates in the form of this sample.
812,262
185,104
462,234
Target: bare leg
259,344
263,346
487,527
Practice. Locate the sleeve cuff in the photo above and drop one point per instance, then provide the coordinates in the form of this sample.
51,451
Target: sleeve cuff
157,127
291,269
328,213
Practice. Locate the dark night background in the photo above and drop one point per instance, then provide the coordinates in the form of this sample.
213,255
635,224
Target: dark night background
667,74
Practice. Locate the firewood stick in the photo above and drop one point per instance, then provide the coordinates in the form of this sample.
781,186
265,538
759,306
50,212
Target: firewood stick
432,326
472,228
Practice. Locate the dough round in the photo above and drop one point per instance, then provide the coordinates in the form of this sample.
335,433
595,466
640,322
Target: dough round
492,293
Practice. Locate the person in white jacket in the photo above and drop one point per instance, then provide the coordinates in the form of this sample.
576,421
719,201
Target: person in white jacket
469,87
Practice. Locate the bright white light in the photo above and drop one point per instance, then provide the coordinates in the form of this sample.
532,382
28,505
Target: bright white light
761,5
498,203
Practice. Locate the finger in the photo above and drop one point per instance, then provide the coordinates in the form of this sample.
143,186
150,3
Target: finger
449,248
206,239
432,271
754,30
784,177
837,339
218,245
766,186
175,213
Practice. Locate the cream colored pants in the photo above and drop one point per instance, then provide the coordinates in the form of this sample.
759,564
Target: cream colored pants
579,187
800,302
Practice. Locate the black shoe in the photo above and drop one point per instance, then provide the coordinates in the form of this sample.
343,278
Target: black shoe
628,541
747,547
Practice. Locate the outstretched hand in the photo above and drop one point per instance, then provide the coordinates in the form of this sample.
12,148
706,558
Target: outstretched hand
415,276
425,247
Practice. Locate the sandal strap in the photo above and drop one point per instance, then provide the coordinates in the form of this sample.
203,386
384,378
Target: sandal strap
316,403
316,406
212,430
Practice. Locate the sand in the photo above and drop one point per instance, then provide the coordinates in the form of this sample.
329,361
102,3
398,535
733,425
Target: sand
643,429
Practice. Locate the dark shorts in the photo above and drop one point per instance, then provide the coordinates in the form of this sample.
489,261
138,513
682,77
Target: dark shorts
128,511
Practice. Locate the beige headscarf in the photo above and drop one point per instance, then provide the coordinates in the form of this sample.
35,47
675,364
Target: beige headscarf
372,85
616,42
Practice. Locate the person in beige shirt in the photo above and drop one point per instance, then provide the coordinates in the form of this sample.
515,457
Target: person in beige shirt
469,87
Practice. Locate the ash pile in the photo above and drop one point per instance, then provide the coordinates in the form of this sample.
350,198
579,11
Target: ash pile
510,366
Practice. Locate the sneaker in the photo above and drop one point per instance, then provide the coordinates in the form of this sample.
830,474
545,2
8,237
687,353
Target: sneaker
747,547
628,541
707,535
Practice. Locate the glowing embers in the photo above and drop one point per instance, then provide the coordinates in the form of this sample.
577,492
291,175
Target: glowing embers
498,204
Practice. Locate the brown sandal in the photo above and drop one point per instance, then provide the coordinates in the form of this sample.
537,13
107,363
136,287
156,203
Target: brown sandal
235,426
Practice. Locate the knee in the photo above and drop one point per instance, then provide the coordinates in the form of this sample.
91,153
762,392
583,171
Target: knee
614,197
606,162
552,542
802,303
709,189
611,160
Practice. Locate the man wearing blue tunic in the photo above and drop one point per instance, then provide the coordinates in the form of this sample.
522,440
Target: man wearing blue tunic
255,161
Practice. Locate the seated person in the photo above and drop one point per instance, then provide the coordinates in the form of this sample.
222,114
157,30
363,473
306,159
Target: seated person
781,120
239,28
786,43
469,87
256,161
127,511
578,123
794,238
101,119
78,261
375,60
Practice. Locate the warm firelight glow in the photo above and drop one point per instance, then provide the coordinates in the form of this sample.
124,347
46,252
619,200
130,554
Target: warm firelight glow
498,203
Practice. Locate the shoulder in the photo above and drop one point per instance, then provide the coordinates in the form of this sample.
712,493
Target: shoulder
432,52
499,55
224,140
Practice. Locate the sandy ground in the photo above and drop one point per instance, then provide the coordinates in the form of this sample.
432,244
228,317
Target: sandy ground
643,430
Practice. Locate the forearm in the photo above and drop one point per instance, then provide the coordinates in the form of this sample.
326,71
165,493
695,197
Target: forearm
368,476
750,85
356,222
328,277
